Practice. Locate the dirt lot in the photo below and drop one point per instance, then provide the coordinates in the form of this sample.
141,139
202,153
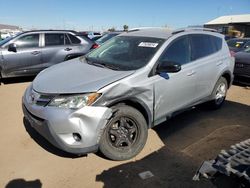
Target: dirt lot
173,152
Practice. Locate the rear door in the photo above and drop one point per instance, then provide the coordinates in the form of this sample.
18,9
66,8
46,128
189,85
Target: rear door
56,46
208,62
27,58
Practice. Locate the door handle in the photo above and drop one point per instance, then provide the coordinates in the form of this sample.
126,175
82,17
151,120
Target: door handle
68,49
191,73
35,52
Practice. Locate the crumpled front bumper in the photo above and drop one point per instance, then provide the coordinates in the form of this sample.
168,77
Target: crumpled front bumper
57,125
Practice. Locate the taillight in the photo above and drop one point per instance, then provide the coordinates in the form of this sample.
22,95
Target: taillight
232,53
94,46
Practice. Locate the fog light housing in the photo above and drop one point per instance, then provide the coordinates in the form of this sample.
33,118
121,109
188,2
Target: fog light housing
77,137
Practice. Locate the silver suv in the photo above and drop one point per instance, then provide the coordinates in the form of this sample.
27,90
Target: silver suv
30,52
109,98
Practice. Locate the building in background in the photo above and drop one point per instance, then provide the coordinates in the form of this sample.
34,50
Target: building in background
232,25
8,30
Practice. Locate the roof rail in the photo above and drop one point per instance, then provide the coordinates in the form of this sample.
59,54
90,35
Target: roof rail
146,28
193,29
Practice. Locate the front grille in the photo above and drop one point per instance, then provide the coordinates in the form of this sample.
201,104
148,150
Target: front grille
242,65
41,99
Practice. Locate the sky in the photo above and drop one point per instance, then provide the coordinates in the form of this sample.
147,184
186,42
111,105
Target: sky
100,15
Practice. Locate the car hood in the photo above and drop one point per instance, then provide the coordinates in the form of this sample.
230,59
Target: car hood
242,57
75,76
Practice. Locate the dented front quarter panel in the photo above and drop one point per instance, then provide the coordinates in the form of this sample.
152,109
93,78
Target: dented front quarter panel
135,88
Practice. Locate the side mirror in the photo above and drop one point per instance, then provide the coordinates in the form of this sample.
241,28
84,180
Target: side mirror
168,67
12,47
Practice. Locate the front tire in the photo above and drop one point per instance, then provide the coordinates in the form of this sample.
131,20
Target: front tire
125,134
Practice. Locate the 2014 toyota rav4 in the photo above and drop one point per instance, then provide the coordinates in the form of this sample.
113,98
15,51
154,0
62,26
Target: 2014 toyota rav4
108,99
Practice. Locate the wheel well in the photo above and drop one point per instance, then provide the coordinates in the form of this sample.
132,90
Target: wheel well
228,78
137,106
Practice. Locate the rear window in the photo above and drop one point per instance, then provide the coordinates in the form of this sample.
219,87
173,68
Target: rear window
204,45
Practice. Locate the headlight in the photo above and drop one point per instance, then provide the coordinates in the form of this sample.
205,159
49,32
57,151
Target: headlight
74,101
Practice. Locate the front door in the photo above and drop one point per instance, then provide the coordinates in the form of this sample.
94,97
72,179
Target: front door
27,58
174,91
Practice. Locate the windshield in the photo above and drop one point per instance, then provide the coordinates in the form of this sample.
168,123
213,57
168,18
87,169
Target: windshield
106,37
236,43
125,52
2,42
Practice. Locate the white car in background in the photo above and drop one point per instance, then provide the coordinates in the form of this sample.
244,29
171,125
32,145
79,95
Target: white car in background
5,35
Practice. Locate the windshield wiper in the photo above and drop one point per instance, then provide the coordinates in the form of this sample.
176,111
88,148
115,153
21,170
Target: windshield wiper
101,64
109,66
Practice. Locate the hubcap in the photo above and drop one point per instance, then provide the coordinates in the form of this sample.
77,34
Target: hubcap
220,93
123,133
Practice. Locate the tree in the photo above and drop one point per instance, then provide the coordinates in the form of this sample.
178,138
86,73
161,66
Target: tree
125,27
112,29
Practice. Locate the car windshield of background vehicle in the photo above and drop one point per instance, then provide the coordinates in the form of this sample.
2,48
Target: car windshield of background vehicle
4,41
236,43
125,52
106,37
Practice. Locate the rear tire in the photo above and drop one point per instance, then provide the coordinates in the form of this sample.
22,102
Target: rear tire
219,94
125,134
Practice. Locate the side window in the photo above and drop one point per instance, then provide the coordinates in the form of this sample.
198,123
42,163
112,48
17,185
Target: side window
28,41
54,39
67,41
177,52
203,45
217,42
74,40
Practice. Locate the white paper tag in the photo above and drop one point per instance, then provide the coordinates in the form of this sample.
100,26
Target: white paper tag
148,44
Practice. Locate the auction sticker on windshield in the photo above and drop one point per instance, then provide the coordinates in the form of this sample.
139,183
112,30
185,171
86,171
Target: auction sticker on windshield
148,44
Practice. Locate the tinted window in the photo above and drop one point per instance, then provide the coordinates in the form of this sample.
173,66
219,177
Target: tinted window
28,41
74,40
217,42
54,39
67,41
177,52
202,46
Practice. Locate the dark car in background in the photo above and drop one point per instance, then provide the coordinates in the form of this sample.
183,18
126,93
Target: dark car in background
238,44
28,53
242,66
107,36
90,34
